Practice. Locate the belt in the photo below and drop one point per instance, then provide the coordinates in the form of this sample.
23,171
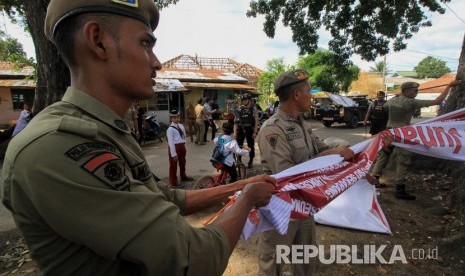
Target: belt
180,143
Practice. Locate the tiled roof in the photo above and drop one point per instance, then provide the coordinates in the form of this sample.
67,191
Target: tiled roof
203,75
432,86
17,83
13,69
437,85
194,63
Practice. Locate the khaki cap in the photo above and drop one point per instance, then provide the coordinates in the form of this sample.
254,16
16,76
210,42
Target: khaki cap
289,78
409,85
142,10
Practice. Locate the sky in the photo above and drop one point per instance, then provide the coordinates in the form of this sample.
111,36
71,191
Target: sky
220,29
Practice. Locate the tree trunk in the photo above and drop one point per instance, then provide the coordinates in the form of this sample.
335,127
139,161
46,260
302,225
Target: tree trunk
456,99
52,73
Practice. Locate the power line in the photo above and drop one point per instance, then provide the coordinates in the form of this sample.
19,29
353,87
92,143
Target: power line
430,54
454,13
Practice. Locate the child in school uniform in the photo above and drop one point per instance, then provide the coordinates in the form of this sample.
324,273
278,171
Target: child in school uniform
230,148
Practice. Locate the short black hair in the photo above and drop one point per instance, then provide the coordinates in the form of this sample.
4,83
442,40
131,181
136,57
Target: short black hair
66,32
285,92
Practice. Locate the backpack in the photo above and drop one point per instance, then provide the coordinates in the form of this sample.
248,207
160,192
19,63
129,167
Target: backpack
218,151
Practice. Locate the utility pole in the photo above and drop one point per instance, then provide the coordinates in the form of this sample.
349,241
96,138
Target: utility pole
384,73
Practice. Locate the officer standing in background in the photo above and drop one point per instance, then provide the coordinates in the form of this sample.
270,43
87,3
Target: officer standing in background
400,111
199,125
190,120
285,140
91,206
246,125
377,115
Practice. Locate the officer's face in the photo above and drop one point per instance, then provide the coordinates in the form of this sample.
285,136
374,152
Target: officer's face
411,93
304,98
133,63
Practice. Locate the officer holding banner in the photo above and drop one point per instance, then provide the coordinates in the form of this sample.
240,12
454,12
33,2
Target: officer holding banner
92,205
285,140
401,111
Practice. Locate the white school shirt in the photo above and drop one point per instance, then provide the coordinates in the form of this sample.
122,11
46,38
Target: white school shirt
174,137
231,146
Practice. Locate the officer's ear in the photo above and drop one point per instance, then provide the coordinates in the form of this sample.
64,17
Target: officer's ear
96,39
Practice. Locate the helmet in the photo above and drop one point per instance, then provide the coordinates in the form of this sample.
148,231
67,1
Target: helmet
246,96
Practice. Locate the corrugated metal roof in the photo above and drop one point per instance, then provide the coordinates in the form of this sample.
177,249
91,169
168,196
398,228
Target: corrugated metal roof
233,86
168,85
17,83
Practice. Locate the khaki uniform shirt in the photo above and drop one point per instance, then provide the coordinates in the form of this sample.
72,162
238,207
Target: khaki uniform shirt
285,142
82,194
401,110
199,112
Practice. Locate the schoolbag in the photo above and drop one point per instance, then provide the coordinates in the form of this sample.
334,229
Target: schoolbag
218,155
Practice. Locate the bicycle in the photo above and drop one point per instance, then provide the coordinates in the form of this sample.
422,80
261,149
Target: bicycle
220,178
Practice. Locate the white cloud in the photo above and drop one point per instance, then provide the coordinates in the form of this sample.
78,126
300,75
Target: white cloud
220,28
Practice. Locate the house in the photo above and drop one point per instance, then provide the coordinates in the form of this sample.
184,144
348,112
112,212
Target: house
16,88
186,79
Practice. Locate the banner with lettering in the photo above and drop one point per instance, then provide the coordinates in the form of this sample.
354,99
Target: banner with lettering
308,187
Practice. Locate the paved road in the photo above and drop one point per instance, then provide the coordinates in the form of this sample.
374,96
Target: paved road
198,157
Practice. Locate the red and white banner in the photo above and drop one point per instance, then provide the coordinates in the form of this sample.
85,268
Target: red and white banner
308,187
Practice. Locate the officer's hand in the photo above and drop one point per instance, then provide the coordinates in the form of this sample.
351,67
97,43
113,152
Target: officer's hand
175,159
346,153
234,135
254,135
387,139
261,178
365,123
259,193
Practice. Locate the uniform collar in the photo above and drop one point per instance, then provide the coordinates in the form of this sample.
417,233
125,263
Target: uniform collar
95,107
286,117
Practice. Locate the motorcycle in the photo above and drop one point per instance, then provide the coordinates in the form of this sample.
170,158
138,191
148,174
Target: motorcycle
152,129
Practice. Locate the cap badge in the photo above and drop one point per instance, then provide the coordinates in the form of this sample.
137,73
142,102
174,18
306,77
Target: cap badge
301,75
131,3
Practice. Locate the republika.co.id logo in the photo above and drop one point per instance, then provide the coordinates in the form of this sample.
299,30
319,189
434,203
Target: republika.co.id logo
345,254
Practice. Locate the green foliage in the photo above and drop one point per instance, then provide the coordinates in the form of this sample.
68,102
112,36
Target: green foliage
431,67
325,74
265,84
364,27
379,67
11,50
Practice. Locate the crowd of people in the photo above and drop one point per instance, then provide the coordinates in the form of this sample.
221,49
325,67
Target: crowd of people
92,206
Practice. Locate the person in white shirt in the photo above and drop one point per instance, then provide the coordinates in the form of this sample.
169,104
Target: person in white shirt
230,147
176,137
24,118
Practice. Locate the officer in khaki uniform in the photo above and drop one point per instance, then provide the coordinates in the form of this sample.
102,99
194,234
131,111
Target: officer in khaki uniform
285,140
91,206
400,111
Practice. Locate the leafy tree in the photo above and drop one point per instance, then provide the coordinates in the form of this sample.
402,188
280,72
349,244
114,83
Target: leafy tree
325,74
11,50
431,67
365,27
265,84
379,68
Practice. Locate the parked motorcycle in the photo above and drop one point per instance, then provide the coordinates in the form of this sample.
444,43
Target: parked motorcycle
152,129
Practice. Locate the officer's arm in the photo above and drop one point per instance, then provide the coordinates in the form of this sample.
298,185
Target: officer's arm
197,200
275,151
443,95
